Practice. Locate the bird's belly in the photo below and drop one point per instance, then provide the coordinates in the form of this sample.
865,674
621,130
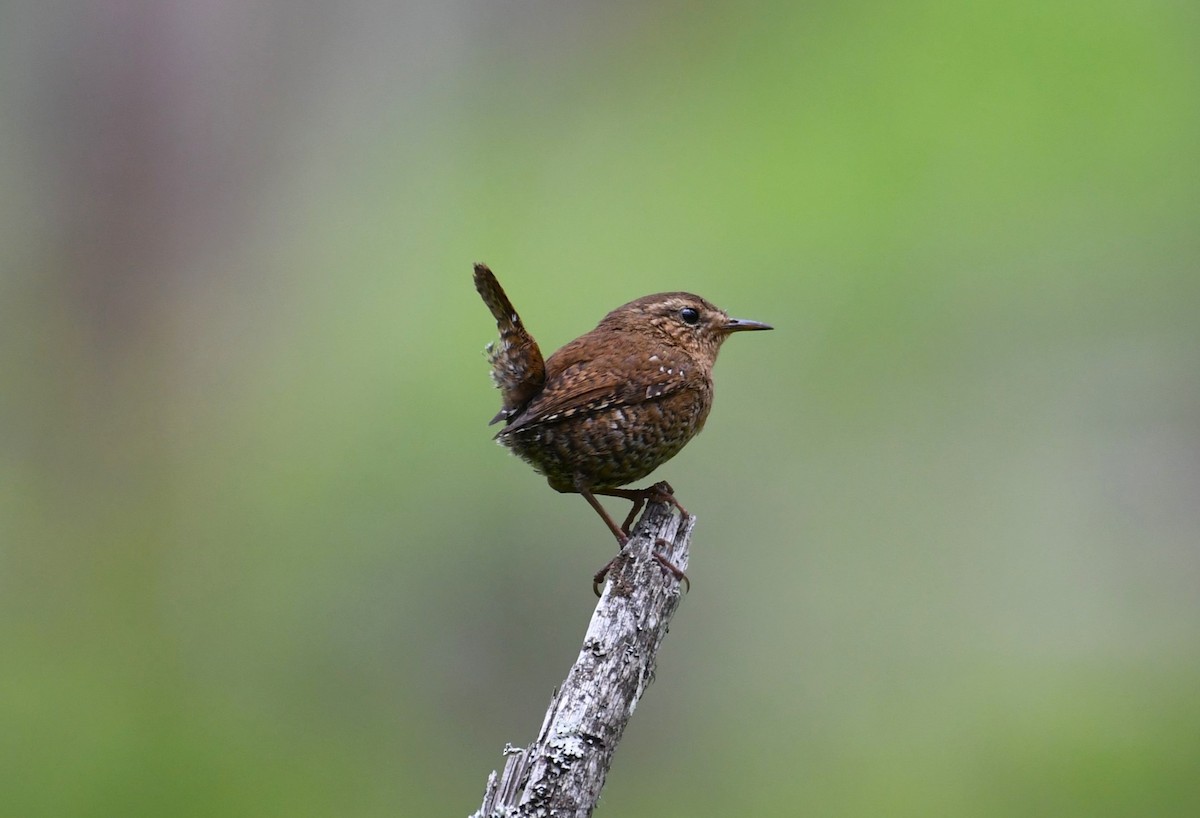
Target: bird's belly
611,447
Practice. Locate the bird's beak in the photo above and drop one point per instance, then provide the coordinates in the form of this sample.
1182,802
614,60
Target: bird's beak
742,325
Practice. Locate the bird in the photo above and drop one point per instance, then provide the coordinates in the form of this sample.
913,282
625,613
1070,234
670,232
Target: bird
613,405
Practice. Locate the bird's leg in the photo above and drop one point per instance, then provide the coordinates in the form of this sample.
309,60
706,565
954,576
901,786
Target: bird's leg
660,492
622,536
582,488
627,526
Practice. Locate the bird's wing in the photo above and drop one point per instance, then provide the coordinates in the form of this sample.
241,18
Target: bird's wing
577,385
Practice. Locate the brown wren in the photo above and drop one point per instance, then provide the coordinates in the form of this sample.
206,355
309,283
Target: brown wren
613,405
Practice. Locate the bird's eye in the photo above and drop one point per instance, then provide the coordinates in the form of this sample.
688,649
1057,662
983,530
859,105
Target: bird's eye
689,315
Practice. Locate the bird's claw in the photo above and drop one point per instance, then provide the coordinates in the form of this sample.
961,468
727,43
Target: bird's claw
667,566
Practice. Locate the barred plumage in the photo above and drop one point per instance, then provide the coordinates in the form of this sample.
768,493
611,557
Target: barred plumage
615,404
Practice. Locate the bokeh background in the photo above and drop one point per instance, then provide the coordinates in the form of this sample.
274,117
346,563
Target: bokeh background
258,553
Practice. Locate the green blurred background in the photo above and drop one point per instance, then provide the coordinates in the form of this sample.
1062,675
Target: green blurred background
258,553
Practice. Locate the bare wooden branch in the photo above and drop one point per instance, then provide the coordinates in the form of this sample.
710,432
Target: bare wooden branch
562,772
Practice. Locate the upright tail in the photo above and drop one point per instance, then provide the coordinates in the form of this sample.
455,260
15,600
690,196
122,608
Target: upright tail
517,366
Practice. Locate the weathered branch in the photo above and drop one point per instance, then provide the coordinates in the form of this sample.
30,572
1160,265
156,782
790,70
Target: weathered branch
562,772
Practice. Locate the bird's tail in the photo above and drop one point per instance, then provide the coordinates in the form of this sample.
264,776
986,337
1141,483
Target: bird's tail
517,365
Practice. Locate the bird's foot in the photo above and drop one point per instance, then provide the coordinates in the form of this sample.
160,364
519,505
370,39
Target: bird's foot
602,574
667,566
670,567
660,492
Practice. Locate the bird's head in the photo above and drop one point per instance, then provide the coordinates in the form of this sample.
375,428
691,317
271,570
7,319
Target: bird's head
682,319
